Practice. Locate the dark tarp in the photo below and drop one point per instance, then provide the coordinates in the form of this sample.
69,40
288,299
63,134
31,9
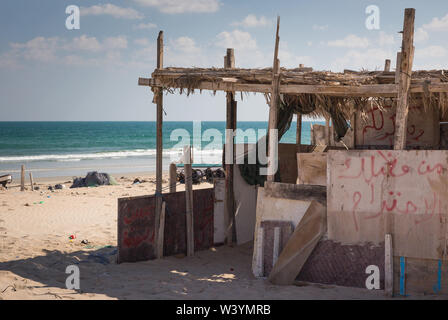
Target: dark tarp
288,106
93,179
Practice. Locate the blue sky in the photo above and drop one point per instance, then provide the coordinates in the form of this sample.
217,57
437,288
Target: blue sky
50,73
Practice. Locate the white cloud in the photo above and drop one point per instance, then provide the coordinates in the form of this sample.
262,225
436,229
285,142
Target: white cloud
437,24
385,39
421,35
319,27
58,50
84,43
290,60
142,42
39,49
144,26
119,42
237,39
370,59
111,10
350,41
251,21
182,6
185,44
431,52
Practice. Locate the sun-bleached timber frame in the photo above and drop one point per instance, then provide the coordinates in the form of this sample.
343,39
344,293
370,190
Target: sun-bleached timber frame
399,84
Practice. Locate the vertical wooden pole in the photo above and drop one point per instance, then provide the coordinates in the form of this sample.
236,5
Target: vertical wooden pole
397,69
299,132
327,131
22,178
407,58
388,266
189,201
159,142
272,127
387,65
161,234
31,182
229,205
173,177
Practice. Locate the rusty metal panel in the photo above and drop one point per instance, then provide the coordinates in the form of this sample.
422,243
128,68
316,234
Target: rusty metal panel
136,225
342,265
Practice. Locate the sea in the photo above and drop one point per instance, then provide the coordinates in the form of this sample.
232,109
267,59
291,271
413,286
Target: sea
69,149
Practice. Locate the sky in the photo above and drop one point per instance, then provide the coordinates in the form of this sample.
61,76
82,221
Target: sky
50,73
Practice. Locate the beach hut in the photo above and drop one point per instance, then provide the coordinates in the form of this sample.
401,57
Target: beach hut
378,168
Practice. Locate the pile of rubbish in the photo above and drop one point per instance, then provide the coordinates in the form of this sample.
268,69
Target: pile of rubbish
199,176
94,179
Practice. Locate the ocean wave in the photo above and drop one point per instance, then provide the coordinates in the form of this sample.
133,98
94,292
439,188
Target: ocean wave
172,153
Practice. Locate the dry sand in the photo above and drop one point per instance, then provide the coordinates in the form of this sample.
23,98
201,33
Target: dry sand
35,250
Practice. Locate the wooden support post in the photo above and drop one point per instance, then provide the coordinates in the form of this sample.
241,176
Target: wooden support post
31,182
229,205
407,58
159,142
272,126
161,234
397,69
387,65
299,133
22,178
327,131
173,177
189,200
388,266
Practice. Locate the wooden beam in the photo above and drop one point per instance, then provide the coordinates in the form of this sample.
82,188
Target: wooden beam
31,181
407,58
229,205
275,96
397,68
387,66
371,90
189,200
22,178
299,132
173,177
388,266
161,234
159,141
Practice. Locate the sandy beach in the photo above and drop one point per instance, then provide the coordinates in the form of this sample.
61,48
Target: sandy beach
35,249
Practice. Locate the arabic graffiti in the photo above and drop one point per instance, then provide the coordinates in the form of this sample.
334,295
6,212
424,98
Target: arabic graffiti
383,182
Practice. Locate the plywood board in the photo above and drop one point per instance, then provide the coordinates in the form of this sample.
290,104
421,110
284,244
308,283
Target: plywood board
371,193
275,237
245,208
287,162
377,127
136,225
300,245
219,227
312,168
285,202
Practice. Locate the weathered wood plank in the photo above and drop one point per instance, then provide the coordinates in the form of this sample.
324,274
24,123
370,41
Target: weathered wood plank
229,63
272,125
373,90
388,265
407,58
300,245
296,191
